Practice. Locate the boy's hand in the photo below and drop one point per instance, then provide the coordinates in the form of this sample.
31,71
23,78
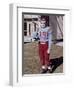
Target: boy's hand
48,50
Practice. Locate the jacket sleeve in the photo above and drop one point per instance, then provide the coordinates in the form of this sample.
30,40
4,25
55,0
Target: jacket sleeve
49,39
35,35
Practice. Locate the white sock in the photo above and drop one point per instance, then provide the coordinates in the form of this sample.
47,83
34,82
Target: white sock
43,67
49,67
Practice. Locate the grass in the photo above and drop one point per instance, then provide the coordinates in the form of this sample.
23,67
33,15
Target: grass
31,61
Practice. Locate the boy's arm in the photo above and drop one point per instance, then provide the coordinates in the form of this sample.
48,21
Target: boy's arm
49,39
35,34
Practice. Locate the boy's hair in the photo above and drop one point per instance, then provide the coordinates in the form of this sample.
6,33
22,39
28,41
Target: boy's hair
45,18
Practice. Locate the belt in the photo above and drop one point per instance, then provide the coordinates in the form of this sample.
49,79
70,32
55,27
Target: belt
40,42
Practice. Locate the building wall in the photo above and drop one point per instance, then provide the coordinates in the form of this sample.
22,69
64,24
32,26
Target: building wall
56,22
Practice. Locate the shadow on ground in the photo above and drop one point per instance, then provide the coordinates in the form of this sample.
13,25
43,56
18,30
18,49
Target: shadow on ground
56,62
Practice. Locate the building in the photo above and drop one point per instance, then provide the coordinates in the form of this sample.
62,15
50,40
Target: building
31,22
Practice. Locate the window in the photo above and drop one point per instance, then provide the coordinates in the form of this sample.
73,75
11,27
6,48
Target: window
25,26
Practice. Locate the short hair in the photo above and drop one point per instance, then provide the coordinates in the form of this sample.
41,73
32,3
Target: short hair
43,18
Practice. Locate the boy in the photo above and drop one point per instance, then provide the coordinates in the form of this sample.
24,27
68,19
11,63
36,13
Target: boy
44,35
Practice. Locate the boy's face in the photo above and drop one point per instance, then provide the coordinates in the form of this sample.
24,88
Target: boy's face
43,23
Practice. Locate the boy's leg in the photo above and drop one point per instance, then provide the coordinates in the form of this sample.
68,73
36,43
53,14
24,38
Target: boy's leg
41,54
47,58
42,58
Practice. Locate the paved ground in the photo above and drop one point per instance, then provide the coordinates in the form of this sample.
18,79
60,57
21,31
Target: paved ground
31,63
